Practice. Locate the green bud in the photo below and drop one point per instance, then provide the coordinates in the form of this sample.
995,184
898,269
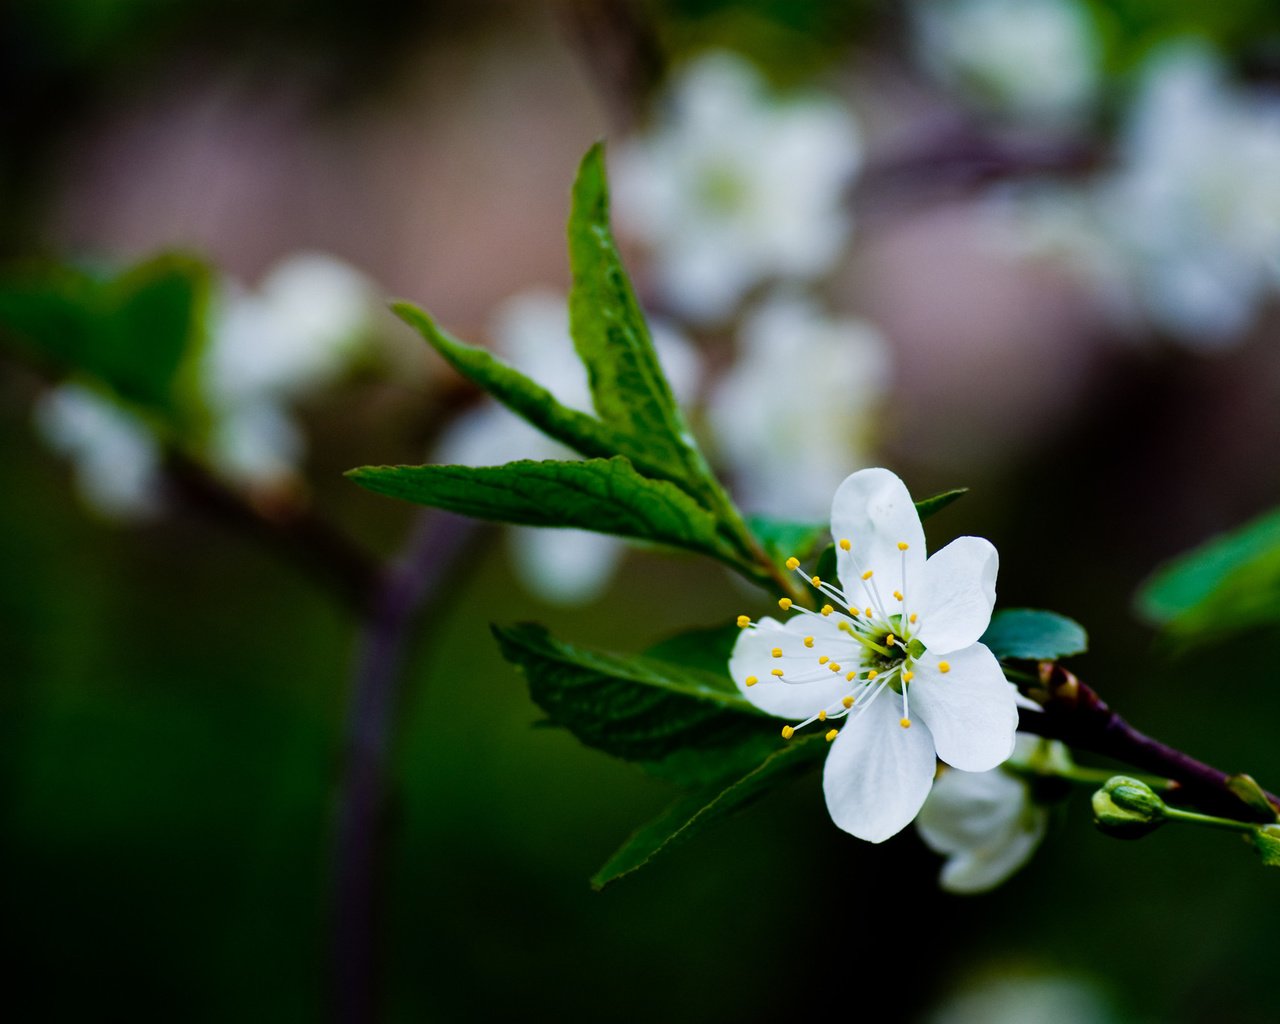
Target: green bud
1266,840
1127,809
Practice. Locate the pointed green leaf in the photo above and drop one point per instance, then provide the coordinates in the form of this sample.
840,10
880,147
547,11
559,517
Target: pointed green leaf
932,506
782,538
681,722
1253,796
604,495
628,386
1029,634
691,814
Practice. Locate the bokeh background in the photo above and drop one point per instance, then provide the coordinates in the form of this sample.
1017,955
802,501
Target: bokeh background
175,691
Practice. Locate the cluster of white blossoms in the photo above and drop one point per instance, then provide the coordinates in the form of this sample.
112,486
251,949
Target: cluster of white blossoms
1029,59
735,187
890,664
265,349
531,330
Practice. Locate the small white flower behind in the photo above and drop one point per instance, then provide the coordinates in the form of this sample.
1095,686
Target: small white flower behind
114,456
734,186
794,411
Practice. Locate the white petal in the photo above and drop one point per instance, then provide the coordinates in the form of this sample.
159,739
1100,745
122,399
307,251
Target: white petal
753,656
956,594
564,566
873,510
878,773
970,709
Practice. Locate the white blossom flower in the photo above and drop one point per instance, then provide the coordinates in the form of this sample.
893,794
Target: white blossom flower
1033,59
734,186
1194,204
269,347
986,823
114,455
1007,996
894,624
531,329
789,438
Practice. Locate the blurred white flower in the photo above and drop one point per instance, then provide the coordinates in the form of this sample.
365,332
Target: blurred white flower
791,417
986,823
1033,59
734,186
531,331
295,334
1194,205
114,455
1003,998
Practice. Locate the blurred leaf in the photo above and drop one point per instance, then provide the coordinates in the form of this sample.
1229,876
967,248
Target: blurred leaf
707,649
1266,840
684,723
1253,796
133,332
1229,584
1033,635
692,813
783,538
605,495
628,386
526,398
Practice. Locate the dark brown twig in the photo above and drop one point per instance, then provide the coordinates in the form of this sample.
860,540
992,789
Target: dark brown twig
1076,715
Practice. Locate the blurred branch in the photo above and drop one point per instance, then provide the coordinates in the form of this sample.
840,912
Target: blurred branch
405,593
308,540
1076,715
620,51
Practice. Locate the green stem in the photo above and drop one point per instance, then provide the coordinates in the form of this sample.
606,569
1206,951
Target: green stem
1208,820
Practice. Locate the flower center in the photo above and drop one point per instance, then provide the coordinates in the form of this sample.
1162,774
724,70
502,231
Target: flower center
883,634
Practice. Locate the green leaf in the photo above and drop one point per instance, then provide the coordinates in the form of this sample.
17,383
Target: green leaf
1201,577
133,332
707,649
782,538
1266,840
932,506
691,814
605,495
628,387
683,723
1032,635
525,397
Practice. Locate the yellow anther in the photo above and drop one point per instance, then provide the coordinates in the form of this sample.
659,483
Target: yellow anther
867,575
868,611
888,640
834,666
908,676
793,562
784,603
911,617
872,674
832,734
853,611
777,672
944,666
844,544
823,660
787,732
822,715
905,723
903,545
847,702
808,641
848,679
776,652
816,580
827,609
752,680
898,594
743,621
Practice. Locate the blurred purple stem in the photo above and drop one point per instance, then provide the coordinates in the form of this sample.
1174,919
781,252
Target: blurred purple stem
401,598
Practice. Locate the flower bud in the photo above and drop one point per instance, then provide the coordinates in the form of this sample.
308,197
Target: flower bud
1127,809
